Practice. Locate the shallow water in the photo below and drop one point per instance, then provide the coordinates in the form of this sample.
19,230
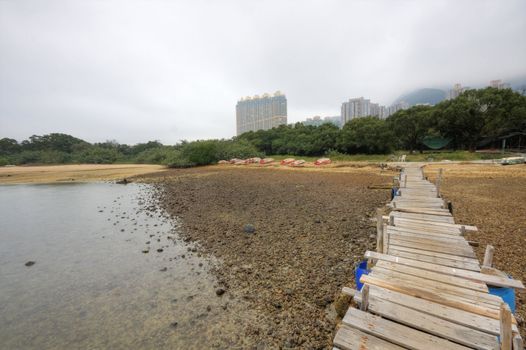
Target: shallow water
92,285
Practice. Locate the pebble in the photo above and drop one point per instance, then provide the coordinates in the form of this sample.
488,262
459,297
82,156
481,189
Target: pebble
30,263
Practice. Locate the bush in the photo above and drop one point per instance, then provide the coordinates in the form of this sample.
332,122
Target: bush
211,151
99,155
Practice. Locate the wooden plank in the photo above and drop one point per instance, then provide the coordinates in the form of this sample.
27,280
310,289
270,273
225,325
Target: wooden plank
423,217
468,319
474,296
440,224
452,295
413,210
423,232
463,248
348,338
452,280
433,325
438,255
396,333
430,296
438,238
435,260
475,276
505,327
440,248
429,229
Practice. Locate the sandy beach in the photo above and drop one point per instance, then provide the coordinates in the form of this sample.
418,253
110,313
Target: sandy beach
73,173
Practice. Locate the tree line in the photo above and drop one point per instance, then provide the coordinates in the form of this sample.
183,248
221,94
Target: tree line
472,117
463,122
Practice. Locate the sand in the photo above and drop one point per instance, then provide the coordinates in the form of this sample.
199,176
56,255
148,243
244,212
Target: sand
74,173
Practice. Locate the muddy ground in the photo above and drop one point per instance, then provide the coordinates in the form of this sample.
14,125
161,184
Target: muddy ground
311,228
493,198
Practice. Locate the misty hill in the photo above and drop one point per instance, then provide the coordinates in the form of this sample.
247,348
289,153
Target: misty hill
426,95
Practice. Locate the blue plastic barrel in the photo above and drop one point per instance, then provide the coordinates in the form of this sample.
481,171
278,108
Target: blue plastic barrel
507,294
361,269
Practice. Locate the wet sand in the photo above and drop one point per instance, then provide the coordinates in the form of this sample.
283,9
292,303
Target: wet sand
311,228
74,173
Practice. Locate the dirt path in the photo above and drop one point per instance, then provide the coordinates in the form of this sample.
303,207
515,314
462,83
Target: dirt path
311,227
73,172
493,198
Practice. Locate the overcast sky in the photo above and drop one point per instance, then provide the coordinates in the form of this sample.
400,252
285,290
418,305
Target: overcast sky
135,71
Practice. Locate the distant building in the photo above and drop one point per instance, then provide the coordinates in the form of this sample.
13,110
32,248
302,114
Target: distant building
397,107
317,121
336,120
261,112
499,84
355,108
456,91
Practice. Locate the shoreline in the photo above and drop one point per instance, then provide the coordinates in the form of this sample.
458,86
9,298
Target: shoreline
73,173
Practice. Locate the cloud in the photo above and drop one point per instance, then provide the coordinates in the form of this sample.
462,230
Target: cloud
171,70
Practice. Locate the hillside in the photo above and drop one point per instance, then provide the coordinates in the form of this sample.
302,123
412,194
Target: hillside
421,96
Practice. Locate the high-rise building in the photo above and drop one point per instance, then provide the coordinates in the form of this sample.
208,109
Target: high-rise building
355,107
456,91
499,84
396,107
317,121
261,112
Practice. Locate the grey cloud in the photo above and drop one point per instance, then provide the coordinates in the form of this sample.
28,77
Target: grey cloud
172,70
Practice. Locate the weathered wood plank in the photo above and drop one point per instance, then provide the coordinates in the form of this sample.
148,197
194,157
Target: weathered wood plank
396,333
468,319
434,276
474,296
434,260
433,325
430,296
475,276
348,338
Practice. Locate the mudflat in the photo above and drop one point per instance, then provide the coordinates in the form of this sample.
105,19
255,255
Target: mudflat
492,198
288,240
73,172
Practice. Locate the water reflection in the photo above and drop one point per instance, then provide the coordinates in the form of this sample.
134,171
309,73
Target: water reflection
108,274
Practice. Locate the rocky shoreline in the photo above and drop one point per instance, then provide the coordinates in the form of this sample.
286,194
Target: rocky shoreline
288,241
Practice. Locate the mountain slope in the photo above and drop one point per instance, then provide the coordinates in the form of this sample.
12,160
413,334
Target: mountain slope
426,95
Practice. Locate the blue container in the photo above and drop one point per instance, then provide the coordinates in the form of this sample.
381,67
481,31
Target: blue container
507,294
361,269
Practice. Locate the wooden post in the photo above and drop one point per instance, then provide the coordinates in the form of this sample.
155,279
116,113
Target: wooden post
405,180
505,327
517,342
391,219
488,256
462,230
439,181
394,204
385,240
365,300
379,232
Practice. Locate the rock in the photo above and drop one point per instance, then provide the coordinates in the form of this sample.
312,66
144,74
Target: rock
163,269
317,221
249,228
220,291
173,324
30,263
160,250
145,251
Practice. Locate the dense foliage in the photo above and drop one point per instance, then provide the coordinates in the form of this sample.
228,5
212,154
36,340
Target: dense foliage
474,116
61,148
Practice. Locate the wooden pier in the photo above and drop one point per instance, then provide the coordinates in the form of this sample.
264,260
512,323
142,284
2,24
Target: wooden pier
426,288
